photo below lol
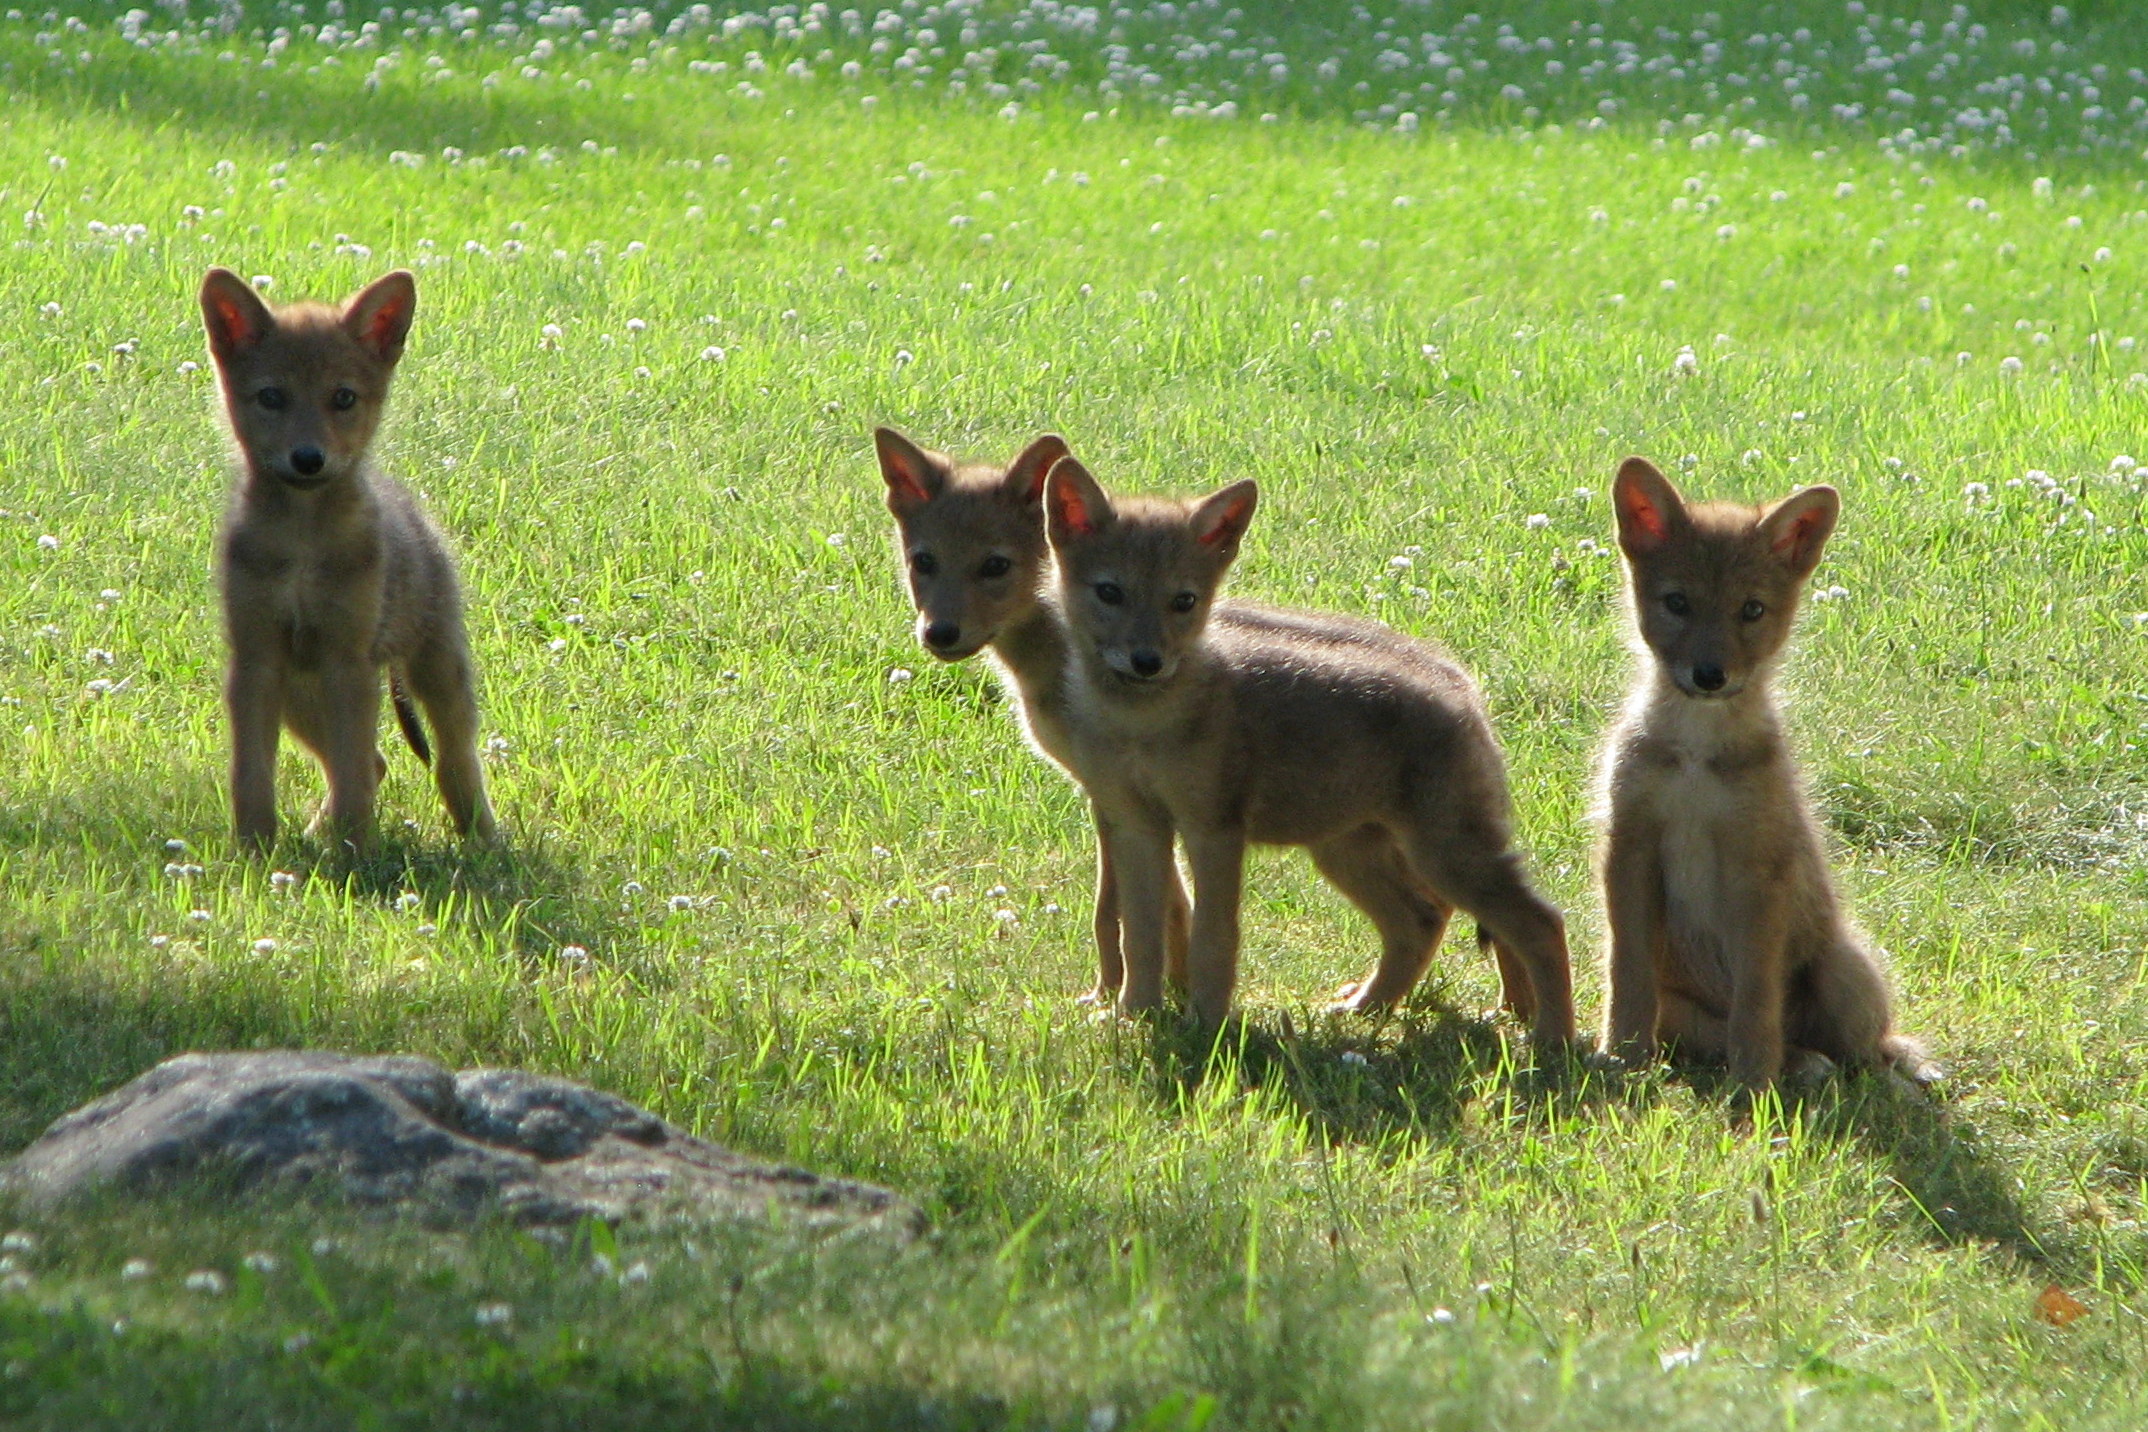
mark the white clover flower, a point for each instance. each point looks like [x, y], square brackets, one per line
[281, 880]
[1977, 205]
[408, 900]
[2010, 365]
[904, 357]
[712, 354]
[1054, 908]
[263, 282]
[426, 932]
[264, 947]
[262, 1263]
[2123, 464]
[637, 325]
[1669, 285]
[493, 1315]
[1976, 491]
[941, 894]
[205, 1280]
[2073, 221]
[901, 676]
[1351, 1059]
[1685, 362]
[49, 310]
[2041, 187]
[1537, 521]
[1845, 189]
[136, 1269]
[49, 543]
[158, 942]
[682, 902]
[574, 956]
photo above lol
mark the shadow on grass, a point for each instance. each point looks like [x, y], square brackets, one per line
[1352, 1079]
[1959, 1194]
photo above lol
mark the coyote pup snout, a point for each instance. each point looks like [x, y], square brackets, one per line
[1726, 936]
[331, 571]
[1369, 749]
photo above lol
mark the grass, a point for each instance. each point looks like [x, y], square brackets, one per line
[687, 618]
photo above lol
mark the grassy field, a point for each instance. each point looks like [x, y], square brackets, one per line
[772, 872]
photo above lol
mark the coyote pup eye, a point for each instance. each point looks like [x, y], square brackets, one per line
[1109, 594]
[344, 399]
[1751, 611]
[273, 399]
[995, 566]
[924, 563]
[1183, 602]
[1677, 605]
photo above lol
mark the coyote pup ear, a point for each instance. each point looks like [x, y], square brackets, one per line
[233, 313]
[1024, 482]
[1649, 509]
[1074, 506]
[1220, 522]
[914, 476]
[1797, 527]
[379, 317]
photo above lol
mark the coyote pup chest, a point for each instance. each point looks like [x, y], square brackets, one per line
[314, 589]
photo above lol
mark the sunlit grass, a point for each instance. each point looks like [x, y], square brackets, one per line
[687, 616]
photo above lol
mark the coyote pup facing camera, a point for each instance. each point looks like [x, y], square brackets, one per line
[331, 571]
[971, 539]
[1727, 940]
[1371, 751]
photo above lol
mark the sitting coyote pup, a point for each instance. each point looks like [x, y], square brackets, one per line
[1726, 938]
[331, 571]
[1373, 754]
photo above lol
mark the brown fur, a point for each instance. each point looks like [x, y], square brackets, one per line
[1727, 940]
[330, 571]
[971, 540]
[1371, 750]
[976, 561]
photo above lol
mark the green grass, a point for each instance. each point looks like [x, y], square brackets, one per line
[689, 676]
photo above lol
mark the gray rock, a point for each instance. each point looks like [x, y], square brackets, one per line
[399, 1132]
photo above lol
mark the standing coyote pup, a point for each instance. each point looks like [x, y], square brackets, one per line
[971, 538]
[1726, 937]
[330, 571]
[1374, 754]
[972, 542]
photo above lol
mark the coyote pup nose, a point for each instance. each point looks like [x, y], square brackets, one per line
[1146, 663]
[308, 460]
[940, 636]
[1708, 678]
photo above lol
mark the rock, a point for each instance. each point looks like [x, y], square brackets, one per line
[400, 1132]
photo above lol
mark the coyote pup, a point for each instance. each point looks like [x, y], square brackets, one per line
[1371, 751]
[330, 571]
[971, 538]
[1726, 936]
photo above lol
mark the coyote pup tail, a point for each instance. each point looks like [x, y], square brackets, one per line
[1908, 1058]
[406, 716]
